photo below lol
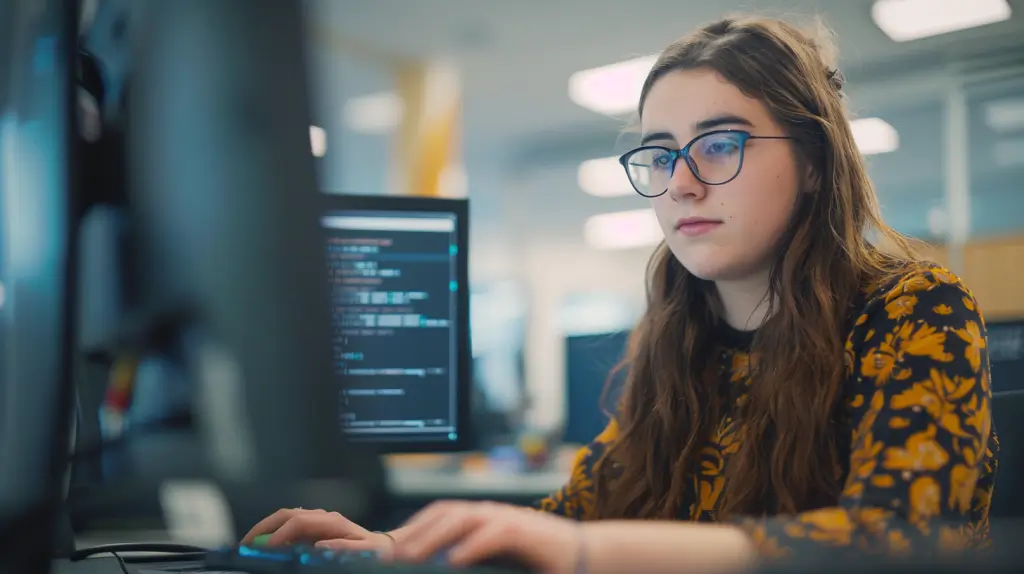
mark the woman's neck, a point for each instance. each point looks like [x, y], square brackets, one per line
[745, 301]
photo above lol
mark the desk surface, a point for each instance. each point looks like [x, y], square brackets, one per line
[97, 565]
[473, 474]
[474, 483]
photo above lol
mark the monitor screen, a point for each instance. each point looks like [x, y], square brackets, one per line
[397, 271]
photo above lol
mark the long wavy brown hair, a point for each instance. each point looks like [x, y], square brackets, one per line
[790, 456]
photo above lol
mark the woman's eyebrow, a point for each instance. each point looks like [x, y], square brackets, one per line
[719, 121]
[702, 126]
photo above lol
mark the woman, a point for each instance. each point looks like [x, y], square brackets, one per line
[791, 386]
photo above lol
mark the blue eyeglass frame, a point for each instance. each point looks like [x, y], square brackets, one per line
[684, 152]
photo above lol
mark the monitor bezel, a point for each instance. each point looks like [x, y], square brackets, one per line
[334, 202]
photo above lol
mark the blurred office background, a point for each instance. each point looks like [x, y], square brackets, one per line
[520, 105]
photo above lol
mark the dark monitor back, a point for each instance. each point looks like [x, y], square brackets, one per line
[589, 362]
[223, 197]
[1008, 418]
[398, 274]
[225, 269]
[1006, 353]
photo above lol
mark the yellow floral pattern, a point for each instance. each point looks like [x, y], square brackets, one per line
[923, 448]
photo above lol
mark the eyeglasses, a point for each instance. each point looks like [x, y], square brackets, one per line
[715, 158]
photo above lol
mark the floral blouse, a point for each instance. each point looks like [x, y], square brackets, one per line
[922, 443]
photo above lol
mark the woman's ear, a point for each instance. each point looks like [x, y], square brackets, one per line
[812, 180]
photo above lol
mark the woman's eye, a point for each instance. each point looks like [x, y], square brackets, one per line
[720, 147]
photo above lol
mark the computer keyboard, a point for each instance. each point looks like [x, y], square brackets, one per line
[310, 560]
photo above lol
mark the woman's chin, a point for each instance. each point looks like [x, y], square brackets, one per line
[715, 267]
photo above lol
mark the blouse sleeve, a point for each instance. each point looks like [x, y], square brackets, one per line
[576, 499]
[923, 451]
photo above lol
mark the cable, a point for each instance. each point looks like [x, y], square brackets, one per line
[164, 547]
[164, 558]
[178, 552]
[123, 564]
[120, 562]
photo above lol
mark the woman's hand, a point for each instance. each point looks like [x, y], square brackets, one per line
[472, 532]
[330, 529]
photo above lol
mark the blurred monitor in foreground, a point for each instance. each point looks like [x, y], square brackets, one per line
[224, 303]
[37, 212]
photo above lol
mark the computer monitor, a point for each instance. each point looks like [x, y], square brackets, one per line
[224, 269]
[397, 269]
[37, 211]
[593, 384]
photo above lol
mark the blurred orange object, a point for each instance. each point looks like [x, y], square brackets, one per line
[536, 449]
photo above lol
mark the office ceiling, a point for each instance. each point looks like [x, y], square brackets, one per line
[515, 58]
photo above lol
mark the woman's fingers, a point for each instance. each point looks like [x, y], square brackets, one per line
[444, 529]
[313, 526]
[423, 521]
[271, 523]
[351, 544]
[490, 539]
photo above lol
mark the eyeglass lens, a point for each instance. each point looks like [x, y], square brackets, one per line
[715, 158]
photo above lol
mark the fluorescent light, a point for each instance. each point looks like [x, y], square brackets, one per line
[1005, 115]
[374, 114]
[905, 20]
[318, 140]
[622, 230]
[603, 177]
[874, 135]
[613, 89]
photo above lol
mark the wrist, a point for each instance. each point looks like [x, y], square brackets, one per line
[666, 546]
[583, 548]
